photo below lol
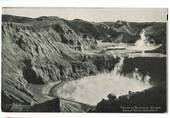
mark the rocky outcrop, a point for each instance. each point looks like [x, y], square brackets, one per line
[147, 101]
[154, 67]
[157, 33]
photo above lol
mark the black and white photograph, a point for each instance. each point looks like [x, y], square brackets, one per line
[94, 60]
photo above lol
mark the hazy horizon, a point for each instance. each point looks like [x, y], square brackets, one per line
[93, 14]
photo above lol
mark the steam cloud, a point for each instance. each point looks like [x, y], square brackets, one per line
[92, 89]
[145, 43]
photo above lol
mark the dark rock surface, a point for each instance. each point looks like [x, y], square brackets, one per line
[155, 67]
[47, 106]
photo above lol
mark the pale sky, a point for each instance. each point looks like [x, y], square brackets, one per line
[93, 14]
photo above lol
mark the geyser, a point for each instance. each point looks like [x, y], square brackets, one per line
[92, 89]
[144, 43]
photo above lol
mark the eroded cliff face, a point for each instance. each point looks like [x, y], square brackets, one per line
[41, 51]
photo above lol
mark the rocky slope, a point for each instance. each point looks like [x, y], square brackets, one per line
[40, 51]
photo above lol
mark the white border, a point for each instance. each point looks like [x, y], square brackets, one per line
[85, 3]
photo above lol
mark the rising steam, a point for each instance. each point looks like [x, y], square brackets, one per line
[145, 43]
[92, 89]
